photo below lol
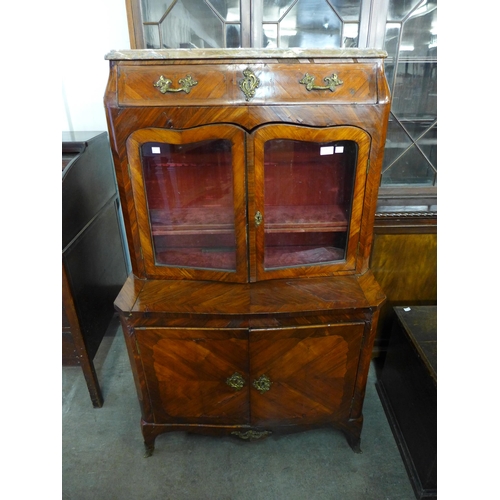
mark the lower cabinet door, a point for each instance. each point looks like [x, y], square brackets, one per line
[303, 375]
[195, 376]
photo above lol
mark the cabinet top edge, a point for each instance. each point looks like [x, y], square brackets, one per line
[173, 54]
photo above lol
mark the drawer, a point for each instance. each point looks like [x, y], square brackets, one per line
[269, 84]
[287, 83]
[209, 85]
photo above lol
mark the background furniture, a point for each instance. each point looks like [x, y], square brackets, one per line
[249, 184]
[408, 391]
[93, 259]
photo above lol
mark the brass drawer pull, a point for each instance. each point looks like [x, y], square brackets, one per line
[236, 381]
[332, 82]
[249, 84]
[262, 384]
[163, 84]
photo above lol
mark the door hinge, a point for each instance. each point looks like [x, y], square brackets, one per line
[368, 165]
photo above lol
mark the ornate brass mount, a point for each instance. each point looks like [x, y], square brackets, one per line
[332, 82]
[258, 218]
[262, 384]
[249, 84]
[236, 381]
[251, 434]
[163, 84]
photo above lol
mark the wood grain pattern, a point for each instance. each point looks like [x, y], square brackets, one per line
[311, 370]
[362, 101]
[308, 328]
[187, 372]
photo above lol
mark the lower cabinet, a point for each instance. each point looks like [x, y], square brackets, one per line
[268, 373]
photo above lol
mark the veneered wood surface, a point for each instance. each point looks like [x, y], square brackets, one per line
[218, 84]
[273, 297]
[362, 101]
[237, 138]
[312, 373]
[187, 370]
[256, 203]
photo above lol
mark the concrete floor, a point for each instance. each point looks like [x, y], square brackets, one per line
[103, 453]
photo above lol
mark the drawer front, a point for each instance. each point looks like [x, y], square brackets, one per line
[247, 84]
[306, 84]
[191, 85]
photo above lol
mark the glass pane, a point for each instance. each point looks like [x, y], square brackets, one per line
[312, 23]
[309, 25]
[229, 10]
[153, 10]
[428, 144]
[273, 10]
[391, 43]
[233, 39]
[348, 9]
[152, 36]
[190, 203]
[411, 168]
[270, 36]
[415, 91]
[191, 24]
[308, 190]
[420, 32]
[399, 9]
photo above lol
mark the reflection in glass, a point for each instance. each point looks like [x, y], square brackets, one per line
[411, 68]
[190, 203]
[306, 23]
[308, 189]
[191, 23]
[410, 153]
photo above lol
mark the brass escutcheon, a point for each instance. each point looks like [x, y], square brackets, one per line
[258, 218]
[332, 82]
[236, 381]
[249, 84]
[251, 434]
[163, 84]
[262, 384]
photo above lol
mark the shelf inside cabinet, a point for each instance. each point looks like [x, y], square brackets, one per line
[210, 220]
[305, 219]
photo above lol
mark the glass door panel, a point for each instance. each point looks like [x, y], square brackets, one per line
[308, 200]
[190, 192]
[308, 191]
[190, 203]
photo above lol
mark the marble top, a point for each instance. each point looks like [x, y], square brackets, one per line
[159, 54]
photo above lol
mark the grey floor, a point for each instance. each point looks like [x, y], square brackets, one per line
[103, 454]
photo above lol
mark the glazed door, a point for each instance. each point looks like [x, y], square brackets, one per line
[189, 191]
[307, 202]
[195, 376]
[303, 375]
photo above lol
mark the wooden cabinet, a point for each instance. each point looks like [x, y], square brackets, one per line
[94, 267]
[408, 390]
[249, 182]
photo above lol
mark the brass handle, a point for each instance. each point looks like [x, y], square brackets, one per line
[262, 384]
[332, 82]
[249, 84]
[163, 84]
[258, 218]
[236, 381]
